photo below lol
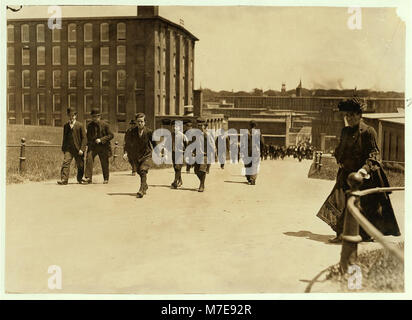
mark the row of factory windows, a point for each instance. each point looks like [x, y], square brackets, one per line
[71, 32]
[88, 79]
[72, 55]
[72, 102]
[72, 79]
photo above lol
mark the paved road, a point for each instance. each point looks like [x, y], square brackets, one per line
[233, 238]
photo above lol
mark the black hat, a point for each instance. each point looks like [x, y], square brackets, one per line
[140, 115]
[252, 123]
[71, 110]
[351, 105]
[132, 121]
[187, 121]
[166, 122]
[95, 111]
[201, 121]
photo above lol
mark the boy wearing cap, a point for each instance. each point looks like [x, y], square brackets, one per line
[208, 141]
[251, 168]
[73, 146]
[179, 141]
[140, 152]
[127, 144]
[98, 143]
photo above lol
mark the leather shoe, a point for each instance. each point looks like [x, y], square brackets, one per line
[62, 182]
[105, 181]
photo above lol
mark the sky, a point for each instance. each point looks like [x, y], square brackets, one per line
[247, 47]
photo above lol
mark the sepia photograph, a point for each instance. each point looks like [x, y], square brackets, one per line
[205, 150]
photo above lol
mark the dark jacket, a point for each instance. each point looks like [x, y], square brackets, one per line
[100, 130]
[79, 136]
[140, 147]
[127, 140]
[358, 149]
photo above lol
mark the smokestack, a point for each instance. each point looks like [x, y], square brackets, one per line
[147, 11]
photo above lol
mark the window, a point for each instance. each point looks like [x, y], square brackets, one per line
[72, 100]
[158, 80]
[57, 104]
[88, 79]
[25, 34]
[72, 79]
[10, 56]
[57, 122]
[104, 102]
[88, 32]
[121, 103]
[104, 32]
[71, 32]
[40, 32]
[104, 56]
[164, 58]
[27, 121]
[57, 78]
[41, 56]
[56, 35]
[26, 102]
[11, 79]
[121, 54]
[25, 79]
[72, 56]
[121, 79]
[121, 31]
[42, 122]
[10, 33]
[157, 58]
[12, 120]
[56, 55]
[104, 79]
[164, 81]
[88, 103]
[41, 102]
[88, 56]
[41, 79]
[11, 103]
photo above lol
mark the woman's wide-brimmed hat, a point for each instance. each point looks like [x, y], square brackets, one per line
[351, 105]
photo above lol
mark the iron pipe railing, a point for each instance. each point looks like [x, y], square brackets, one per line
[354, 218]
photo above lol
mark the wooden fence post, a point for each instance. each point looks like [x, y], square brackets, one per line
[22, 163]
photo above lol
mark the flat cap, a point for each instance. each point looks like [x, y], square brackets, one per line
[95, 111]
[140, 115]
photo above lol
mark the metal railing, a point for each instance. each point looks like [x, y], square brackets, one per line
[354, 218]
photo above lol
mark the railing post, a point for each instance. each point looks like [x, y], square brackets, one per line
[320, 160]
[350, 235]
[115, 152]
[22, 163]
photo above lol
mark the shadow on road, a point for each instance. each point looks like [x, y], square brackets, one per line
[311, 236]
[241, 182]
[168, 187]
[122, 194]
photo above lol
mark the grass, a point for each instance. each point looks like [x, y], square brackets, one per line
[381, 272]
[329, 170]
[44, 162]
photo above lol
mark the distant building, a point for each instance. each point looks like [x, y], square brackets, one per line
[123, 65]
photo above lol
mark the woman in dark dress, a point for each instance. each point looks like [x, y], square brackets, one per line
[358, 152]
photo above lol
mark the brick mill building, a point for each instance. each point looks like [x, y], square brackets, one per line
[123, 65]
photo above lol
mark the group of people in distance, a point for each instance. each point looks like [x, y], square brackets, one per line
[138, 147]
[300, 151]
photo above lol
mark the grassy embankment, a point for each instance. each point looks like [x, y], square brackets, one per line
[381, 272]
[43, 162]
